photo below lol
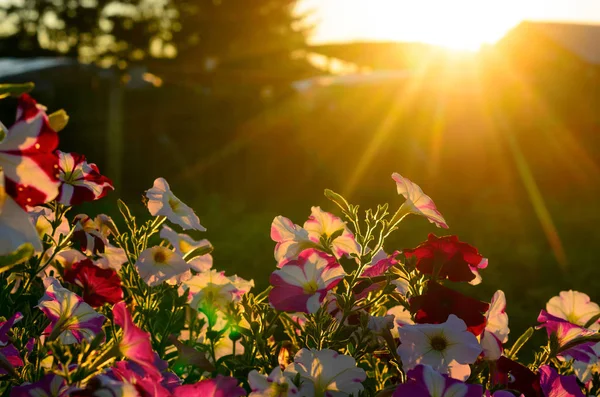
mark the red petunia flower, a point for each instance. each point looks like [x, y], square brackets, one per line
[448, 258]
[439, 302]
[27, 155]
[517, 377]
[100, 286]
[79, 180]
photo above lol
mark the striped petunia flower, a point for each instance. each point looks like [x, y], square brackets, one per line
[302, 284]
[27, 155]
[79, 180]
[71, 319]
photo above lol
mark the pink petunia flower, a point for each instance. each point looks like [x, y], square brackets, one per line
[566, 332]
[417, 202]
[424, 381]
[448, 347]
[276, 384]
[50, 385]
[323, 225]
[71, 319]
[326, 372]
[135, 344]
[158, 264]
[575, 307]
[555, 385]
[79, 180]
[27, 155]
[321, 228]
[221, 386]
[99, 286]
[161, 201]
[301, 285]
[496, 329]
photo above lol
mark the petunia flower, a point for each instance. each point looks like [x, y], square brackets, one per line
[439, 302]
[79, 180]
[16, 227]
[291, 239]
[71, 319]
[575, 307]
[112, 258]
[10, 354]
[158, 264]
[585, 371]
[496, 329]
[88, 235]
[184, 245]
[211, 289]
[514, 376]
[447, 258]
[379, 265]
[323, 226]
[161, 201]
[448, 348]
[424, 381]
[99, 286]
[145, 384]
[401, 316]
[50, 385]
[326, 372]
[105, 385]
[301, 285]
[41, 218]
[417, 202]
[274, 385]
[555, 385]
[565, 332]
[221, 386]
[27, 155]
[135, 344]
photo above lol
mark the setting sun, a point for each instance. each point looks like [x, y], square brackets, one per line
[460, 24]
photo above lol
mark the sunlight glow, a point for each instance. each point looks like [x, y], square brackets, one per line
[458, 24]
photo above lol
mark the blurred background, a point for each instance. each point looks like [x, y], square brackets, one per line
[250, 108]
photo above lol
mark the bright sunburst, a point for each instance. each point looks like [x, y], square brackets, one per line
[459, 24]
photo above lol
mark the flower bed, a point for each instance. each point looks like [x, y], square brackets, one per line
[103, 307]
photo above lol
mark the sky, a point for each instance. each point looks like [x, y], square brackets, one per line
[464, 24]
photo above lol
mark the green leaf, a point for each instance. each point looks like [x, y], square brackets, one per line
[512, 353]
[15, 89]
[592, 321]
[23, 253]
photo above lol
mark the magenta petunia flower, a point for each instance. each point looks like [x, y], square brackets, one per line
[135, 345]
[221, 386]
[79, 180]
[71, 319]
[27, 155]
[50, 385]
[566, 332]
[301, 284]
[424, 381]
[555, 385]
[418, 202]
[9, 351]
[99, 286]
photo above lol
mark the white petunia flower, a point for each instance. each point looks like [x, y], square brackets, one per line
[326, 372]
[448, 347]
[496, 330]
[158, 264]
[161, 201]
[274, 385]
